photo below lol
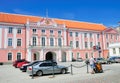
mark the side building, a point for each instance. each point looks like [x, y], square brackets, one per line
[38, 38]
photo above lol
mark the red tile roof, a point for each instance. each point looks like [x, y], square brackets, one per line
[22, 19]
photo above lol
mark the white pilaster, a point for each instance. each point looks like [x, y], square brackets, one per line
[14, 38]
[65, 40]
[70, 56]
[96, 39]
[74, 40]
[83, 41]
[5, 38]
[29, 54]
[41, 55]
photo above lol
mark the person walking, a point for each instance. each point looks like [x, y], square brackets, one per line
[92, 64]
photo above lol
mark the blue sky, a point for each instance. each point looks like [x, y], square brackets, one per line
[105, 12]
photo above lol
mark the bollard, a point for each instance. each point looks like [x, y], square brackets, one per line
[32, 72]
[87, 69]
[53, 71]
[71, 70]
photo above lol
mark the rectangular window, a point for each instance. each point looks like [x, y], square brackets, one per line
[34, 41]
[9, 56]
[51, 31]
[43, 41]
[76, 34]
[106, 36]
[18, 56]
[59, 32]
[70, 34]
[43, 31]
[99, 44]
[10, 30]
[90, 35]
[9, 41]
[98, 36]
[51, 42]
[114, 51]
[77, 44]
[85, 35]
[19, 30]
[18, 42]
[91, 44]
[86, 45]
[34, 30]
[71, 43]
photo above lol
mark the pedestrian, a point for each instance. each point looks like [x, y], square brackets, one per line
[92, 64]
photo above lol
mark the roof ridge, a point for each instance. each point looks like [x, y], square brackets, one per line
[20, 14]
[78, 21]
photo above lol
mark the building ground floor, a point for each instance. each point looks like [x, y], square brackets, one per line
[64, 54]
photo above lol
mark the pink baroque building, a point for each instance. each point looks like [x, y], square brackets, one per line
[37, 38]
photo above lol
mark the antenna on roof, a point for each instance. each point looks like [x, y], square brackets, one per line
[46, 13]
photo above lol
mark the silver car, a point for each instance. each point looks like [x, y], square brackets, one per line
[46, 68]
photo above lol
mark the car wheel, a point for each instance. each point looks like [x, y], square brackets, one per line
[39, 73]
[63, 71]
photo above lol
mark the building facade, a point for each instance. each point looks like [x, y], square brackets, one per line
[38, 38]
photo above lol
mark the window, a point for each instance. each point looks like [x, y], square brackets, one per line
[70, 34]
[114, 52]
[43, 41]
[51, 42]
[34, 41]
[43, 31]
[59, 32]
[98, 36]
[77, 44]
[86, 45]
[91, 44]
[107, 44]
[9, 56]
[119, 50]
[34, 30]
[111, 36]
[9, 41]
[76, 34]
[51, 31]
[71, 43]
[86, 55]
[99, 44]
[85, 35]
[18, 42]
[106, 36]
[90, 35]
[59, 42]
[18, 56]
[19, 30]
[10, 30]
[78, 55]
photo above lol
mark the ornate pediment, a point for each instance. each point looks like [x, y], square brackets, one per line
[111, 30]
[47, 21]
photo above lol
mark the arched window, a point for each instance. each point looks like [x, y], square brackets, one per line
[59, 42]
[9, 56]
[51, 42]
[18, 56]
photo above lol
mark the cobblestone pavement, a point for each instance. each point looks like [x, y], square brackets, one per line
[9, 74]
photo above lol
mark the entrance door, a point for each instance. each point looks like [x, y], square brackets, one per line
[64, 57]
[36, 56]
[50, 56]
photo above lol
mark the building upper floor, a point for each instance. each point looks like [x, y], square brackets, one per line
[22, 31]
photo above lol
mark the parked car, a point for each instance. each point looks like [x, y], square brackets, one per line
[117, 60]
[24, 67]
[101, 60]
[22, 63]
[113, 59]
[46, 68]
[79, 59]
[17, 61]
